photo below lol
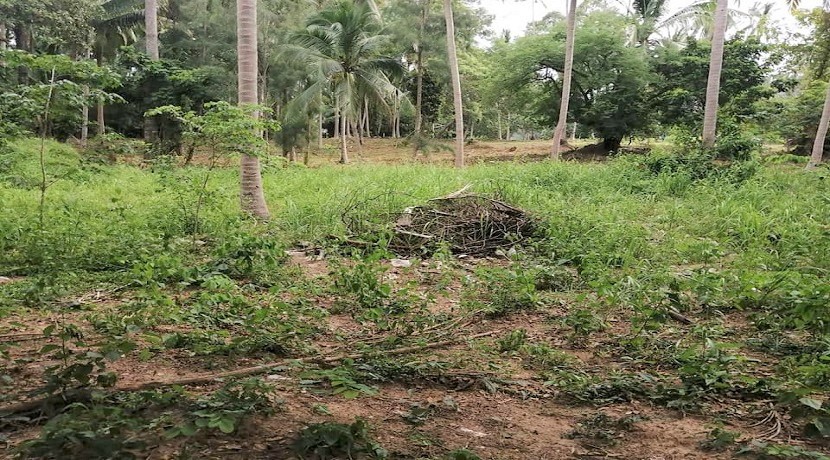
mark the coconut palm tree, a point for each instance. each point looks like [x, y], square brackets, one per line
[343, 45]
[821, 133]
[698, 19]
[710, 110]
[252, 196]
[648, 15]
[452, 57]
[115, 27]
[559, 132]
[151, 39]
[151, 28]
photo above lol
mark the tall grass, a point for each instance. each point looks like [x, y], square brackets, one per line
[612, 220]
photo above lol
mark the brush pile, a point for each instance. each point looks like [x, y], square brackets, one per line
[464, 223]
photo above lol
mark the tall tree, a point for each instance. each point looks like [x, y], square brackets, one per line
[252, 195]
[343, 45]
[152, 43]
[419, 69]
[710, 111]
[559, 132]
[452, 58]
[821, 133]
[114, 26]
[151, 28]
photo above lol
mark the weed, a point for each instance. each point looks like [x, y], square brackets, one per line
[602, 430]
[513, 341]
[325, 441]
[584, 321]
[225, 409]
[500, 291]
[719, 440]
[340, 380]
[462, 454]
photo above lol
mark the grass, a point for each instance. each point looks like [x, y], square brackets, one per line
[747, 260]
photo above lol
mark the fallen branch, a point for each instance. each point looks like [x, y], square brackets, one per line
[80, 395]
[678, 317]
[22, 337]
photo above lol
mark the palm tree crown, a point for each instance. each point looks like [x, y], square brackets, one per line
[344, 46]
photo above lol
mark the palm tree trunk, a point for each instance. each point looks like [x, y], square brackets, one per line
[337, 120]
[320, 130]
[821, 133]
[151, 28]
[419, 72]
[152, 44]
[85, 117]
[498, 117]
[84, 107]
[344, 149]
[367, 128]
[559, 132]
[452, 56]
[710, 111]
[252, 196]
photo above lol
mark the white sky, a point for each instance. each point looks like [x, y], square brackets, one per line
[514, 15]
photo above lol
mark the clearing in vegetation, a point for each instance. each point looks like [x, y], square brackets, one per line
[652, 312]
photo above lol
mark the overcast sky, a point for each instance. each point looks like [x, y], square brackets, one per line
[515, 15]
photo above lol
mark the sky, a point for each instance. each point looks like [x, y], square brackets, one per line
[515, 15]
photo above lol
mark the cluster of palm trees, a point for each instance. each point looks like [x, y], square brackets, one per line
[649, 11]
[338, 44]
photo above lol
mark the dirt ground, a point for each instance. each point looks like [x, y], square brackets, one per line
[519, 419]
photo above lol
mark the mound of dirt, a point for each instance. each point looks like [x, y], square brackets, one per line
[465, 223]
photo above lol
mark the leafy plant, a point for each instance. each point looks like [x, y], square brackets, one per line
[225, 409]
[340, 380]
[513, 341]
[325, 441]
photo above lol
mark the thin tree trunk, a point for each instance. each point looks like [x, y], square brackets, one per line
[344, 149]
[337, 122]
[710, 111]
[84, 109]
[419, 73]
[821, 133]
[252, 196]
[367, 128]
[498, 115]
[452, 56]
[320, 130]
[507, 133]
[559, 132]
[100, 129]
[3, 36]
[152, 44]
[357, 132]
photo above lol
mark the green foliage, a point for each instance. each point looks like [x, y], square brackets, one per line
[500, 291]
[96, 432]
[225, 409]
[462, 454]
[513, 341]
[222, 128]
[719, 439]
[603, 430]
[328, 441]
[340, 380]
[67, 84]
[678, 95]
[609, 77]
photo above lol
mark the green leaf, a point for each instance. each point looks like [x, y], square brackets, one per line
[810, 402]
[226, 425]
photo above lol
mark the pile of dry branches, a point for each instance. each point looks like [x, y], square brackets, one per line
[467, 223]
